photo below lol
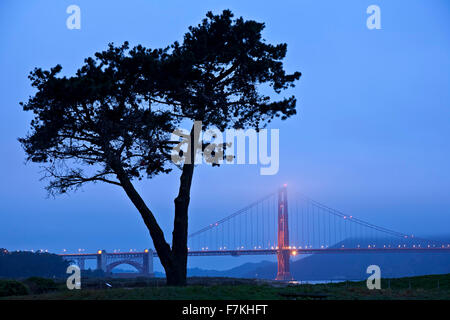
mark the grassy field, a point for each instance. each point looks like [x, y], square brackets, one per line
[434, 287]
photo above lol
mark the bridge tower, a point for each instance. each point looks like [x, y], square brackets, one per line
[283, 252]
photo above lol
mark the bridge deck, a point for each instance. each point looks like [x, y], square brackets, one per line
[272, 251]
[315, 251]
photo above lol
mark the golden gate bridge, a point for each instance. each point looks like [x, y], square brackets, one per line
[275, 226]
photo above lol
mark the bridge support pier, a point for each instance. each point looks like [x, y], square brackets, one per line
[283, 254]
[81, 263]
[101, 260]
[147, 262]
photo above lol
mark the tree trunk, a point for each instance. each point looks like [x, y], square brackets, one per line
[180, 224]
[161, 246]
[176, 274]
[173, 260]
[180, 229]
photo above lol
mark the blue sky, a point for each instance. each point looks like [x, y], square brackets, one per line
[371, 137]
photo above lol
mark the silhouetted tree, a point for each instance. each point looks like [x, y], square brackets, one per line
[112, 121]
